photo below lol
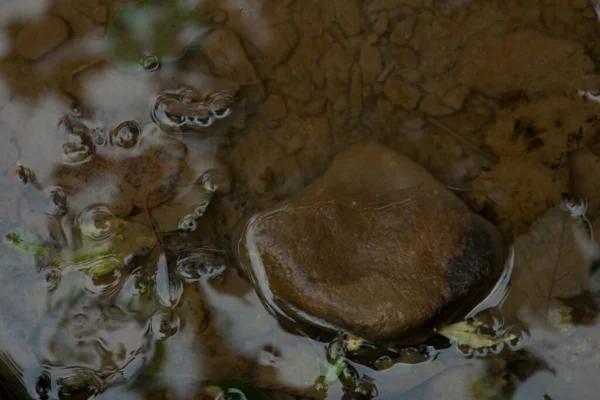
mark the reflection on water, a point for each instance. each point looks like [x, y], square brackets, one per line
[136, 139]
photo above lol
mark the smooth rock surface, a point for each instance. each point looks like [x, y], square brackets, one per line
[376, 247]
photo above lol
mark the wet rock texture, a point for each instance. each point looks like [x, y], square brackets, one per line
[376, 246]
[507, 58]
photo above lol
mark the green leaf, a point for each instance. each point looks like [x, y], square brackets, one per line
[466, 333]
[334, 371]
[25, 242]
[101, 258]
[162, 31]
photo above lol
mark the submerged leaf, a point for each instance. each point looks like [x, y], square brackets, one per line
[24, 174]
[25, 242]
[102, 257]
[334, 371]
[552, 264]
[466, 333]
[152, 31]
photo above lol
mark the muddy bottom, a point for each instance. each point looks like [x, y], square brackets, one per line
[137, 139]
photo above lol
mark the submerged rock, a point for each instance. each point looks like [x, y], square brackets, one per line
[506, 59]
[41, 36]
[376, 247]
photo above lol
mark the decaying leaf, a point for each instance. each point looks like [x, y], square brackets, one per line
[520, 190]
[25, 242]
[24, 174]
[552, 263]
[96, 257]
[147, 176]
[467, 334]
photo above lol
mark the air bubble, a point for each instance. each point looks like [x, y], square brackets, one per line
[188, 96]
[188, 223]
[59, 201]
[519, 342]
[165, 324]
[126, 135]
[201, 208]
[97, 223]
[222, 113]
[104, 275]
[75, 380]
[349, 376]
[169, 113]
[209, 181]
[220, 104]
[79, 147]
[52, 277]
[466, 350]
[384, 362]
[200, 117]
[76, 112]
[199, 265]
[367, 387]
[234, 394]
[482, 352]
[76, 153]
[99, 136]
[150, 63]
[70, 128]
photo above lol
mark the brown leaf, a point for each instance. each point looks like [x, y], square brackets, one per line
[552, 262]
[124, 178]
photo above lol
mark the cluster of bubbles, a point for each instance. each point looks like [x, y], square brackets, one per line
[355, 383]
[98, 226]
[97, 223]
[186, 109]
[58, 196]
[172, 112]
[126, 135]
[89, 334]
[198, 265]
[81, 142]
[208, 183]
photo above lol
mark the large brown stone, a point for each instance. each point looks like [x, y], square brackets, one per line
[376, 247]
